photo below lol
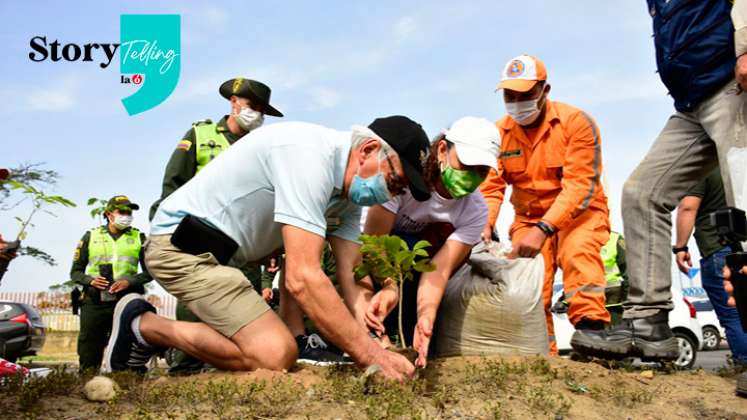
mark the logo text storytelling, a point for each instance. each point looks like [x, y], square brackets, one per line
[149, 51]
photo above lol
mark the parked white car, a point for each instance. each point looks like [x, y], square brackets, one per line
[713, 332]
[682, 321]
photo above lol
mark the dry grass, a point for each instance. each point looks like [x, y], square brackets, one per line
[501, 388]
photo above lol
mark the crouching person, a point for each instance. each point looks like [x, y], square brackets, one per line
[551, 157]
[281, 189]
[451, 220]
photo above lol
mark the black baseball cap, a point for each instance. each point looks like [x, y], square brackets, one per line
[121, 202]
[4, 173]
[411, 143]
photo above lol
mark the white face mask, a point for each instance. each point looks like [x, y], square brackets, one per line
[122, 222]
[524, 112]
[249, 119]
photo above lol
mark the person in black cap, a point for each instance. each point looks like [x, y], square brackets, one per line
[250, 102]
[106, 265]
[403, 134]
[289, 185]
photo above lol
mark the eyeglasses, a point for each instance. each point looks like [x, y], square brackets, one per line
[395, 183]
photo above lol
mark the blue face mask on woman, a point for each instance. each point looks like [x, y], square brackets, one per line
[369, 191]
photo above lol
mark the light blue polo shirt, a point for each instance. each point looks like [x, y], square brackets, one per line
[287, 173]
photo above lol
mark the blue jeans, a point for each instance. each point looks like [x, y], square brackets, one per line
[713, 282]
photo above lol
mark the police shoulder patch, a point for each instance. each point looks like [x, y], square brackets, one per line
[184, 145]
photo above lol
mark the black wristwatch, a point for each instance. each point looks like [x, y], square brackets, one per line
[676, 250]
[545, 228]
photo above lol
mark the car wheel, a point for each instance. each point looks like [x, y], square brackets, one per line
[688, 351]
[711, 338]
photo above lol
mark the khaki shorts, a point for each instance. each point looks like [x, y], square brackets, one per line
[219, 295]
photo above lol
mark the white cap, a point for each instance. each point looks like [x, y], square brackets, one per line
[477, 141]
[522, 73]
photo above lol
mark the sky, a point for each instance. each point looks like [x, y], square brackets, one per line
[331, 63]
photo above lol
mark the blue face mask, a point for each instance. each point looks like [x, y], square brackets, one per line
[369, 191]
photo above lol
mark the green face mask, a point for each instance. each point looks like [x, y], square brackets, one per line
[459, 183]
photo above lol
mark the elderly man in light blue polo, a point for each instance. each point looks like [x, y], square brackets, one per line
[290, 185]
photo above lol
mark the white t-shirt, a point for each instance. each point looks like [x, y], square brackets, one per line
[468, 215]
[287, 173]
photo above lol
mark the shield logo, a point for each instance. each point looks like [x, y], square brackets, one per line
[515, 69]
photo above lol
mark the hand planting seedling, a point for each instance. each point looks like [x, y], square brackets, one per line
[389, 258]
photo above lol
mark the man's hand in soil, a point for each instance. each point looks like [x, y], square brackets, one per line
[393, 365]
[740, 72]
[530, 244]
[267, 294]
[421, 340]
[119, 285]
[100, 283]
[380, 306]
[312, 290]
[684, 263]
[730, 287]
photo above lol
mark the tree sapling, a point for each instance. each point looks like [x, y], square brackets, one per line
[389, 257]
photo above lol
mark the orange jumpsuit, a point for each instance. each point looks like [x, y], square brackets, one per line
[555, 171]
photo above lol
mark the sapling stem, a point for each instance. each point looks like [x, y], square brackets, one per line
[37, 206]
[399, 317]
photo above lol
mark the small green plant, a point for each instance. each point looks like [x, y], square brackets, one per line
[98, 206]
[389, 257]
[38, 200]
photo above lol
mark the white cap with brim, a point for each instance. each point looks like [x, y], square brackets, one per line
[477, 141]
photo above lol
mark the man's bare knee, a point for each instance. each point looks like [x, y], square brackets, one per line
[266, 343]
[278, 355]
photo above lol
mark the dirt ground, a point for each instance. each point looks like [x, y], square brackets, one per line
[478, 387]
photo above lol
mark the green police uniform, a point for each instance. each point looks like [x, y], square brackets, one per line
[99, 246]
[192, 153]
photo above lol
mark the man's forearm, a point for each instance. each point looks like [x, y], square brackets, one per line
[685, 223]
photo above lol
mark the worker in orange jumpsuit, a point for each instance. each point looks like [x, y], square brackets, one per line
[551, 155]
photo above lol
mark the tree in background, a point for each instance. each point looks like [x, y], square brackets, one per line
[28, 183]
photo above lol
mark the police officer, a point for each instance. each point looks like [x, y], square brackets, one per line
[119, 245]
[250, 102]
